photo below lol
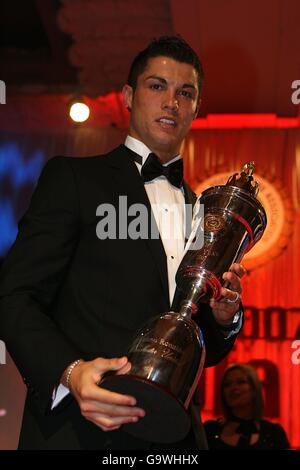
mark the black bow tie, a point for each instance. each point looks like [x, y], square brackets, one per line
[153, 168]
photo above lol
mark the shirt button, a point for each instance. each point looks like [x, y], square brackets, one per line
[172, 257]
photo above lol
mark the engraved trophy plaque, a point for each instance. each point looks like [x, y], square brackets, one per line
[168, 353]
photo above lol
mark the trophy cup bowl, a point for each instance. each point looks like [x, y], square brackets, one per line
[168, 353]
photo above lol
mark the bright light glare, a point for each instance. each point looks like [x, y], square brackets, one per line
[79, 112]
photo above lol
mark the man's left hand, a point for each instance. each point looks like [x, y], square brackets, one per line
[229, 303]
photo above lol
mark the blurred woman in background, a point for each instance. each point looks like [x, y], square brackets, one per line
[242, 426]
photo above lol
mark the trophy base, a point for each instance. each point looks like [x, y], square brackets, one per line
[166, 419]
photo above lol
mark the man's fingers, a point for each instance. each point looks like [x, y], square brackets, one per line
[238, 269]
[101, 365]
[107, 409]
[104, 365]
[233, 282]
[111, 410]
[97, 393]
[230, 296]
[109, 423]
[124, 369]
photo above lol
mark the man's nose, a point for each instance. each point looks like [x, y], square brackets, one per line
[171, 102]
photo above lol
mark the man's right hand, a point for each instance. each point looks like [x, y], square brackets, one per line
[108, 410]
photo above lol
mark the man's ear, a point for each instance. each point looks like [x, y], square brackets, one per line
[197, 108]
[127, 94]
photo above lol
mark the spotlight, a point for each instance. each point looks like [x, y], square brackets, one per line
[79, 111]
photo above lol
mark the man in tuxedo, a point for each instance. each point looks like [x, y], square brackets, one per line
[71, 298]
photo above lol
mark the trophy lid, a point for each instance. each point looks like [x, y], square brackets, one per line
[245, 179]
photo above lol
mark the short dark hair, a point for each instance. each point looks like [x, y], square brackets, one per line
[253, 380]
[174, 47]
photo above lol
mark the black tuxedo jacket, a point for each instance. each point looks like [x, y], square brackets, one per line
[65, 294]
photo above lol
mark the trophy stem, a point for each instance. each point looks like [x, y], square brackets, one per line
[189, 306]
[187, 309]
[194, 290]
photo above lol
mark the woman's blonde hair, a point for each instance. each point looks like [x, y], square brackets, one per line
[252, 377]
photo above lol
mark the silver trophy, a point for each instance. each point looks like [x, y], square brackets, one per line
[168, 353]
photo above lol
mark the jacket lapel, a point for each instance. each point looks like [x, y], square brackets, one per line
[190, 199]
[189, 195]
[128, 182]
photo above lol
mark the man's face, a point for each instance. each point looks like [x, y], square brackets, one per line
[163, 105]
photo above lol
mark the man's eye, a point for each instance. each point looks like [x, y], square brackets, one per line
[156, 86]
[186, 94]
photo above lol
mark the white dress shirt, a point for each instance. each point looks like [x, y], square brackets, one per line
[168, 206]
